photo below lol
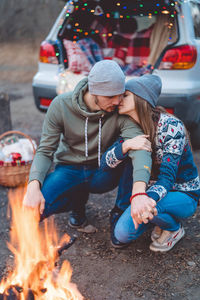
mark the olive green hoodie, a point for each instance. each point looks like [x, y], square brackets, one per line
[77, 136]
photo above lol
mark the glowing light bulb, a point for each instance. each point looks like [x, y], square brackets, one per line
[165, 12]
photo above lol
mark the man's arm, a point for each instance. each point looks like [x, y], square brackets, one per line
[141, 159]
[142, 207]
[52, 129]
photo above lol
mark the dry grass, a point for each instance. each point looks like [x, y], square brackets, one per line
[18, 61]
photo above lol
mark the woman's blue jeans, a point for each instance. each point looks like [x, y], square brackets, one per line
[171, 209]
[68, 187]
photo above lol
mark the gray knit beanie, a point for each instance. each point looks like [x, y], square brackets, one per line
[147, 87]
[106, 79]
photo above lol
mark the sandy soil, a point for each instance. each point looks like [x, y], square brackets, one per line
[101, 272]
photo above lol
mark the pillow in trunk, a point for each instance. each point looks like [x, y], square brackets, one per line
[77, 60]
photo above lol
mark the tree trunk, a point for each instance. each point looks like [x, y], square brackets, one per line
[5, 117]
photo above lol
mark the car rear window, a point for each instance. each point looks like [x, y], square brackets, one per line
[133, 33]
[195, 10]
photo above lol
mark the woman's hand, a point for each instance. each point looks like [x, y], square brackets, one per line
[139, 142]
[142, 210]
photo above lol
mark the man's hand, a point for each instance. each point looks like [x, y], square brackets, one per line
[139, 142]
[33, 197]
[142, 209]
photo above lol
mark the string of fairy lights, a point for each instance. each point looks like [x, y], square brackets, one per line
[135, 7]
[114, 9]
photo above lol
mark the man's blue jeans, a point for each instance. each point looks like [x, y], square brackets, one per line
[68, 187]
[171, 209]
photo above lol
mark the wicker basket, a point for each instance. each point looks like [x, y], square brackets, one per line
[15, 175]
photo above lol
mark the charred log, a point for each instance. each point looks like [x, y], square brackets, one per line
[18, 288]
[30, 295]
[65, 246]
[11, 293]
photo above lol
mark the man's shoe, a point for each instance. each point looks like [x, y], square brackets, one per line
[167, 240]
[156, 233]
[117, 244]
[77, 220]
[115, 214]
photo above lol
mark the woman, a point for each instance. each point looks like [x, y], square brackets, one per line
[175, 184]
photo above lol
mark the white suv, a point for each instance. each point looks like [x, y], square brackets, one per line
[160, 37]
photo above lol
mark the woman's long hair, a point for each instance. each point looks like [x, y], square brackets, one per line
[148, 120]
[148, 117]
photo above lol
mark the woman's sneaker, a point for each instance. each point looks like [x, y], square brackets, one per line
[167, 240]
[156, 233]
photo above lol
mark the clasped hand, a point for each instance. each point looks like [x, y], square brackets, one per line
[143, 209]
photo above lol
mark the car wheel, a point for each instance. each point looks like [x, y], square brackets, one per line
[189, 113]
[195, 136]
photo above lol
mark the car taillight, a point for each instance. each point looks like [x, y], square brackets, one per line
[47, 53]
[45, 102]
[182, 57]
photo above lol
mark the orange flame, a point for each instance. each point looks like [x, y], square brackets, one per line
[35, 255]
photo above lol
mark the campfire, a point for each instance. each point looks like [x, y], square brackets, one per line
[37, 273]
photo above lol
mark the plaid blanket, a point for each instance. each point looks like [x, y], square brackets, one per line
[131, 51]
[91, 49]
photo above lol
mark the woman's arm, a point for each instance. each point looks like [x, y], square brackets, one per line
[173, 141]
[119, 150]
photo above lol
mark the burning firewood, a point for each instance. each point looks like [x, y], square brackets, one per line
[66, 246]
[36, 275]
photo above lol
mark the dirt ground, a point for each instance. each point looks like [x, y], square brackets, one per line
[101, 272]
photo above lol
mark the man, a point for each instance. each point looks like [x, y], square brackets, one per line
[78, 127]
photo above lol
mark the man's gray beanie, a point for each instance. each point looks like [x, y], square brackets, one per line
[106, 79]
[147, 87]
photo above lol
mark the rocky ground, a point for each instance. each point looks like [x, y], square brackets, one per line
[101, 272]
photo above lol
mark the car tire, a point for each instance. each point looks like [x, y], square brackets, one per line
[195, 136]
[189, 113]
[194, 114]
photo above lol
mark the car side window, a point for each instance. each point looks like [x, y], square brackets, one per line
[195, 10]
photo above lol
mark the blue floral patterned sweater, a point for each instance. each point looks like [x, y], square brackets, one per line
[173, 163]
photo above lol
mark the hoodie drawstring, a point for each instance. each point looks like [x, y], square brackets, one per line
[86, 137]
[99, 140]
[99, 143]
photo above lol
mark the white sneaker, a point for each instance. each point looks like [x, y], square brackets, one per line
[167, 240]
[156, 233]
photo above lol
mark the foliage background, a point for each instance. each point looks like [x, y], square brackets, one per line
[27, 19]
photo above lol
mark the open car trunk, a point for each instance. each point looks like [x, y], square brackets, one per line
[133, 33]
